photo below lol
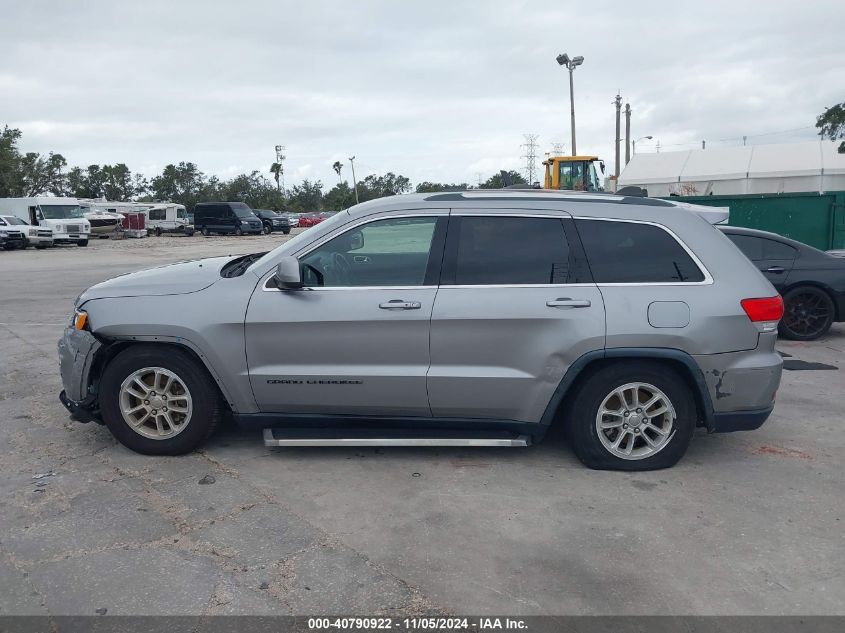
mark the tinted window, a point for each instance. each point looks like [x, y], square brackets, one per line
[241, 210]
[157, 214]
[777, 250]
[390, 252]
[508, 250]
[628, 252]
[751, 247]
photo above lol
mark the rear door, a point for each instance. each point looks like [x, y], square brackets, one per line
[773, 258]
[515, 308]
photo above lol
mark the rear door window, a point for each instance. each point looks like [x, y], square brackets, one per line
[494, 250]
[631, 252]
[751, 247]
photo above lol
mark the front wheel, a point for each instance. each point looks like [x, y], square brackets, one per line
[807, 314]
[267, 229]
[239, 231]
[286, 231]
[82, 243]
[633, 416]
[158, 231]
[159, 400]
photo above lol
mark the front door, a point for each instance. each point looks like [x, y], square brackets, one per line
[516, 307]
[355, 339]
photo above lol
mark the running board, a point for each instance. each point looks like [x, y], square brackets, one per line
[390, 437]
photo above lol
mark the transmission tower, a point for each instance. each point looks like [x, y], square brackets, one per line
[280, 158]
[530, 156]
[557, 149]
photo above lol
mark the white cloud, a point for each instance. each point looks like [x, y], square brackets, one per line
[435, 91]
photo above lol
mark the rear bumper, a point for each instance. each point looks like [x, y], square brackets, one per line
[729, 422]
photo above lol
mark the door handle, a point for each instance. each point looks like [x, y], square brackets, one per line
[400, 304]
[566, 302]
[361, 259]
[775, 269]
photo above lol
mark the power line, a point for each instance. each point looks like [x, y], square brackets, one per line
[530, 155]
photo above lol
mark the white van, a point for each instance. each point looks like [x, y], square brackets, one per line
[168, 217]
[63, 216]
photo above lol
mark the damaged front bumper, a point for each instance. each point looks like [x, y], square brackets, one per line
[77, 351]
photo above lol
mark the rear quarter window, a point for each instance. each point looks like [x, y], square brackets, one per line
[630, 252]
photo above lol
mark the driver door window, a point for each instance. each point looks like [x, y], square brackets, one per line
[389, 252]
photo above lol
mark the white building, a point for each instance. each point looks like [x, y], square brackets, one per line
[782, 168]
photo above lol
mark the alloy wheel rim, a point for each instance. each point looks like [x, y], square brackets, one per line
[635, 421]
[155, 403]
[807, 314]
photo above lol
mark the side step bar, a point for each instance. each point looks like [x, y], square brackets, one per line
[389, 437]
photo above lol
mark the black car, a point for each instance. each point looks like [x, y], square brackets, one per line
[226, 217]
[273, 221]
[811, 281]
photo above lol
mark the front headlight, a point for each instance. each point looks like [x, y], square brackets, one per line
[58, 228]
[80, 319]
[33, 232]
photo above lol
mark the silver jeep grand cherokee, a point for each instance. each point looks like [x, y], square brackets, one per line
[457, 319]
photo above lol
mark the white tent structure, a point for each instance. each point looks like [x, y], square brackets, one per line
[783, 168]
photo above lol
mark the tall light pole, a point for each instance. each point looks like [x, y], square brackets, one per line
[354, 182]
[571, 63]
[642, 138]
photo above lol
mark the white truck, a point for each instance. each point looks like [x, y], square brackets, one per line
[63, 216]
[24, 234]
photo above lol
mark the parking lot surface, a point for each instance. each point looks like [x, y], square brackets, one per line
[747, 523]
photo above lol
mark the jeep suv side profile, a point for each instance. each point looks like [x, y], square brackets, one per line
[458, 319]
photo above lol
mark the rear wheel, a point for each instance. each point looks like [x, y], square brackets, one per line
[158, 231]
[808, 314]
[239, 231]
[286, 231]
[205, 231]
[267, 229]
[159, 401]
[635, 415]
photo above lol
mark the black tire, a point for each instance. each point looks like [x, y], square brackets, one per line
[267, 229]
[238, 231]
[82, 243]
[808, 313]
[286, 231]
[584, 408]
[204, 230]
[207, 404]
[40, 247]
[158, 231]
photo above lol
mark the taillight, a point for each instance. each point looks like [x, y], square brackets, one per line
[764, 313]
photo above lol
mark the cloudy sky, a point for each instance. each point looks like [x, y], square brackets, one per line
[437, 90]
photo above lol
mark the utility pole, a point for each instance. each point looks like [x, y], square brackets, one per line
[571, 64]
[530, 156]
[354, 182]
[627, 133]
[280, 158]
[618, 102]
[703, 144]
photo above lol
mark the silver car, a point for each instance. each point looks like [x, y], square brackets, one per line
[477, 318]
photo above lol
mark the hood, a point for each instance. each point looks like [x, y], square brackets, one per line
[172, 279]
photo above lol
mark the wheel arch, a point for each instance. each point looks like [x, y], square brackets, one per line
[586, 365]
[112, 348]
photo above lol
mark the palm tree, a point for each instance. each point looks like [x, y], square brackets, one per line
[276, 170]
[337, 167]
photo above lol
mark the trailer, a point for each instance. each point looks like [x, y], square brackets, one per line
[64, 216]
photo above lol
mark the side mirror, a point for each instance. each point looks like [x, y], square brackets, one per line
[288, 275]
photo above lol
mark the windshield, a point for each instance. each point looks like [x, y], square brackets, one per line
[242, 211]
[294, 243]
[181, 212]
[14, 220]
[60, 211]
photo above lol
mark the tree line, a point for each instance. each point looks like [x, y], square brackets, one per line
[32, 174]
